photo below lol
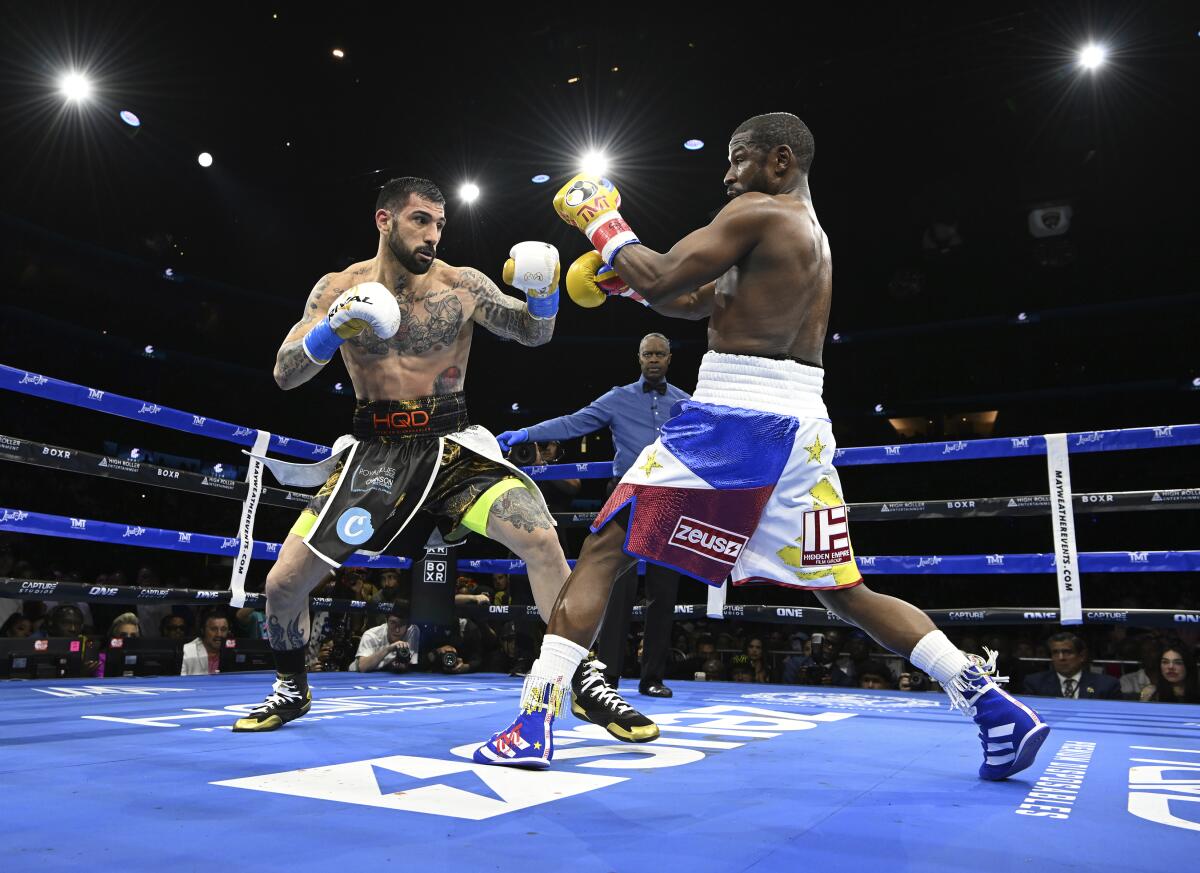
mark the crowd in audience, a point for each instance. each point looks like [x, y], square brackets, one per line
[1100, 662]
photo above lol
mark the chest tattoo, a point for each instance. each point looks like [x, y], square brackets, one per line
[428, 325]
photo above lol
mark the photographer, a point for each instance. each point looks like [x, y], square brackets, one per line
[390, 646]
[824, 670]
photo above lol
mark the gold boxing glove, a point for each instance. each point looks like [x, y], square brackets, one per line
[590, 282]
[590, 203]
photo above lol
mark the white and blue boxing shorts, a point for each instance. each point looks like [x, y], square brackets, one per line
[740, 484]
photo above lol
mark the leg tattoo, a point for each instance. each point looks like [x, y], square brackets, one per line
[519, 508]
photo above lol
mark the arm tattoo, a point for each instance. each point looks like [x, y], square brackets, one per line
[520, 509]
[292, 360]
[314, 299]
[503, 315]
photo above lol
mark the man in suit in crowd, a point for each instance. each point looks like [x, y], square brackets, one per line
[1070, 676]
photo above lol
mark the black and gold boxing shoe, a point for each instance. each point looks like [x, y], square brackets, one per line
[289, 699]
[594, 700]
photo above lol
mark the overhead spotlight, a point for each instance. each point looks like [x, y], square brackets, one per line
[540, 179]
[837, 338]
[1022, 316]
[694, 145]
[134, 454]
[75, 87]
[878, 408]
[338, 53]
[1196, 382]
[148, 351]
[204, 159]
[594, 163]
[130, 119]
[572, 80]
[1092, 56]
[169, 273]
[469, 192]
[516, 407]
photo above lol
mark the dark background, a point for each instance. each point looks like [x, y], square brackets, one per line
[934, 124]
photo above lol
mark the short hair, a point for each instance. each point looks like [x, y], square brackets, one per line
[875, 668]
[655, 335]
[394, 195]
[781, 128]
[124, 618]
[214, 613]
[399, 609]
[1077, 645]
[63, 610]
[167, 619]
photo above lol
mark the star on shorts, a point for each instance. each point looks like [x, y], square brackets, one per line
[651, 463]
[814, 451]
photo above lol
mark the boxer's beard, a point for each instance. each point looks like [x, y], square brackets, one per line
[408, 257]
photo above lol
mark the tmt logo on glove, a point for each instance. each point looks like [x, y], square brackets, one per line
[589, 198]
[590, 204]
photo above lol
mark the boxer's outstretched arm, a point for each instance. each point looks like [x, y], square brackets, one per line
[503, 315]
[700, 257]
[292, 366]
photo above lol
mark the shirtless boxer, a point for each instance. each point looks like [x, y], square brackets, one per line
[403, 322]
[741, 482]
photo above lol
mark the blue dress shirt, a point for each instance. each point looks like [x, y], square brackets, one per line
[635, 417]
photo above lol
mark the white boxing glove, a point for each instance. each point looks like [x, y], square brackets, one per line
[533, 268]
[369, 305]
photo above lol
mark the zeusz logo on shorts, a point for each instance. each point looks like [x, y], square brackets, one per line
[401, 420]
[707, 540]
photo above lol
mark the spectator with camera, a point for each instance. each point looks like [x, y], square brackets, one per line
[795, 664]
[393, 645]
[825, 670]
[635, 413]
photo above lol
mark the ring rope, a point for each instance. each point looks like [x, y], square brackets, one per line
[796, 615]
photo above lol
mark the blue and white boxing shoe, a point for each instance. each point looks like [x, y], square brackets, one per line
[528, 741]
[1011, 732]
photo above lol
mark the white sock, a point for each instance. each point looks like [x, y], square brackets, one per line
[938, 657]
[558, 659]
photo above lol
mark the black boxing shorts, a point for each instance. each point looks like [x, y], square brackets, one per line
[401, 473]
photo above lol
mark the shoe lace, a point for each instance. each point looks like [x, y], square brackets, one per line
[284, 691]
[595, 685]
[974, 679]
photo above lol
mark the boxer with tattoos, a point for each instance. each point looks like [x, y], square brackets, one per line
[403, 322]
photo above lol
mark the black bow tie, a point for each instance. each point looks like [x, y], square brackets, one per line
[660, 387]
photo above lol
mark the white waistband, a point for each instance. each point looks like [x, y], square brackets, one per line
[746, 382]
